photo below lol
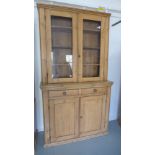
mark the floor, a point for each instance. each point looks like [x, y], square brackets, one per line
[103, 145]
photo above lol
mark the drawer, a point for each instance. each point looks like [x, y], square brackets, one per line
[93, 91]
[57, 93]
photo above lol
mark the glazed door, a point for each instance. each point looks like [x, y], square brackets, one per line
[92, 115]
[91, 37]
[63, 119]
[61, 39]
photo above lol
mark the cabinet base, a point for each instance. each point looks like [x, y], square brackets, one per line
[74, 140]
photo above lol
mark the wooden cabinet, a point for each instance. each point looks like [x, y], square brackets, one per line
[74, 61]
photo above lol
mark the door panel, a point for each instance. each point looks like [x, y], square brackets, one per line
[63, 118]
[91, 115]
[91, 37]
[61, 36]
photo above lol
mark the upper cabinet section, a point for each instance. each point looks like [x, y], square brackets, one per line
[74, 44]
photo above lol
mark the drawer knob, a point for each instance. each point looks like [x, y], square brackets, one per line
[64, 93]
[95, 90]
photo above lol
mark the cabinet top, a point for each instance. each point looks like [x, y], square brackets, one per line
[70, 7]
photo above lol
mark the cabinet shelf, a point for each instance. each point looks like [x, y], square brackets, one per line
[61, 64]
[89, 48]
[91, 30]
[91, 64]
[61, 27]
[85, 48]
[60, 47]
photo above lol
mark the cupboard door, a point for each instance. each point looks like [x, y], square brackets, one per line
[91, 39]
[92, 111]
[63, 119]
[61, 35]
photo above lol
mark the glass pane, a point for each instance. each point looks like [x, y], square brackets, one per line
[61, 71]
[90, 70]
[61, 21]
[91, 56]
[61, 53]
[91, 48]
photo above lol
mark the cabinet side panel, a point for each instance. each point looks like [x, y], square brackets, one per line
[43, 44]
[103, 113]
[106, 49]
[102, 45]
[107, 107]
[46, 117]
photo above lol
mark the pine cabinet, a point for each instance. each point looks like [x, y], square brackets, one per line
[74, 62]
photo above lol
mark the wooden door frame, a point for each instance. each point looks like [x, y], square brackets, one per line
[102, 19]
[102, 119]
[48, 14]
[52, 117]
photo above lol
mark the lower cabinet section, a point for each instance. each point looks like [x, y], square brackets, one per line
[74, 116]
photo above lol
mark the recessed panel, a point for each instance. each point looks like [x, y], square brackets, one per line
[64, 119]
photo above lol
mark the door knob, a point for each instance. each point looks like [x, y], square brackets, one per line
[64, 93]
[95, 90]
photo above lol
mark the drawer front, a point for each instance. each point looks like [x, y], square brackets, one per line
[94, 91]
[63, 93]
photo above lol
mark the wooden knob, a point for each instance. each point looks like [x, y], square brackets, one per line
[95, 90]
[64, 93]
[81, 116]
[79, 56]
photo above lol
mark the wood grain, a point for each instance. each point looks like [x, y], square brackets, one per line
[46, 117]
[74, 9]
[90, 115]
[74, 140]
[64, 93]
[106, 41]
[107, 107]
[76, 85]
[43, 44]
[63, 114]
